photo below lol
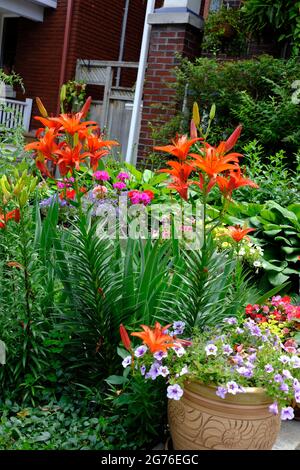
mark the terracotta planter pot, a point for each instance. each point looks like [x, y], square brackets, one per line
[200, 420]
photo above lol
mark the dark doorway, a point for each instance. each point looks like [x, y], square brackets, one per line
[9, 43]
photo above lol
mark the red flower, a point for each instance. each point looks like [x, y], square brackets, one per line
[249, 309]
[149, 193]
[12, 215]
[124, 337]
[237, 233]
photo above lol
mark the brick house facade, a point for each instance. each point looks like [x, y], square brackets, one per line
[95, 34]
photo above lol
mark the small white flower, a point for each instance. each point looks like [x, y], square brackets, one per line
[257, 264]
[179, 350]
[163, 371]
[127, 361]
[211, 350]
[184, 371]
[242, 252]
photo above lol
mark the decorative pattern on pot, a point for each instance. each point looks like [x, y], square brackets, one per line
[207, 422]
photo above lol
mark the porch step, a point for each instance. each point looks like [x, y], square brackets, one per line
[289, 436]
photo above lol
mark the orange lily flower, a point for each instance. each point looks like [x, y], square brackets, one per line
[15, 215]
[155, 338]
[237, 233]
[201, 183]
[235, 181]
[180, 173]
[70, 158]
[180, 148]
[71, 123]
[45, 145]
[98, 148]
[48, 123]
[214, 160]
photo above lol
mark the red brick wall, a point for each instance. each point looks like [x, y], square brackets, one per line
[95, 34]
[159, 98]
[39, 54]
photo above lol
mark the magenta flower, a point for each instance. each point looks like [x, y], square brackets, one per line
[145, 199]
[123, 176]
[119, 186]
[174, 392]
[60, 185]
[101, 175]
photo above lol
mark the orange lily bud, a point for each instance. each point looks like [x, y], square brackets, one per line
[41, 107]
[193, 130]
[232, 140]
[86, 107]
[124, 337]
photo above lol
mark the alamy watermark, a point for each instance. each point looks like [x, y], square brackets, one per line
[296, 94]
[183, 222]
[2, 353]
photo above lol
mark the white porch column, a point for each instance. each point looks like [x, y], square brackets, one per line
[192, 5]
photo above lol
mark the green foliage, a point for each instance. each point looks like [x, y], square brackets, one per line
[275, 179]
[278, 19]
[143, 406]
[256, 93]
[278, 230]
[73, 96]
[224, 31]
[64, 425]
[209, 287]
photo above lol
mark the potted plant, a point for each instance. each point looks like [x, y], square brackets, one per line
[228, 386]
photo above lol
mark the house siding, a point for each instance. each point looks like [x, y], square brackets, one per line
[95, 34]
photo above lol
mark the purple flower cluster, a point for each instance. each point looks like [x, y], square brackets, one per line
[50, 200]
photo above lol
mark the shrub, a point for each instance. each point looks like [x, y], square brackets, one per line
[256, 93]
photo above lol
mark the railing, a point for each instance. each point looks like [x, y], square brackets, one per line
[15, 113]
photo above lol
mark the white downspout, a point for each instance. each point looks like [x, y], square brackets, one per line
[122, 41]
[136, 112]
